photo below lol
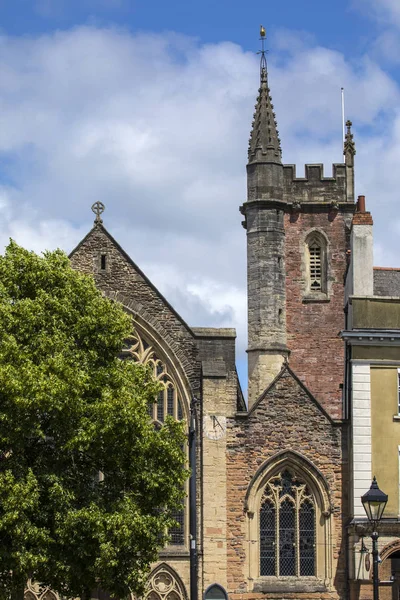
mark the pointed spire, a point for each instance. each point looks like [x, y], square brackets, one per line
[349, 145]
[264, 143]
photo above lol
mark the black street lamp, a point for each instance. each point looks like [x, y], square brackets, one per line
[374, 502]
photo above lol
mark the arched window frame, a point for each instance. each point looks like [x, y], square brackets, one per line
[316, 265]
[138, 348]
[282, 551]
[164, 583]
[318, 489]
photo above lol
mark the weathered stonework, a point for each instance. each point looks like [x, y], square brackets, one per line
[286, 418]
[314, 323]
[284, 318]
[296, 369]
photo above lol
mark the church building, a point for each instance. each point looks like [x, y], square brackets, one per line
[273, 497]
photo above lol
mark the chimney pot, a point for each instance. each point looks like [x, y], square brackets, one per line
[361, 204]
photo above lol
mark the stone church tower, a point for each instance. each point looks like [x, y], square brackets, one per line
[271, 476]
[297, 238]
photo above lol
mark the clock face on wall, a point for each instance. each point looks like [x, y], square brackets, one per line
[214, 426]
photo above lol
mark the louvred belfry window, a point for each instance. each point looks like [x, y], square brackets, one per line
[167, 402]
[315, 266]
[287, 528]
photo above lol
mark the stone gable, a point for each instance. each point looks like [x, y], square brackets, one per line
[285, 418]
[121, 279]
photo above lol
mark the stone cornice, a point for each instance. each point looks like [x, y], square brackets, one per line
[295, 207]
[372, 337]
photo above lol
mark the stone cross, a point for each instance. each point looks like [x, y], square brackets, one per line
[98, 208]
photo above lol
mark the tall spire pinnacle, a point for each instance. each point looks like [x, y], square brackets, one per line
[349, 150]
[264, 143]
[349, 145]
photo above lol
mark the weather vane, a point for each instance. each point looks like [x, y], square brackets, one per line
[263, 61]
[98, 208]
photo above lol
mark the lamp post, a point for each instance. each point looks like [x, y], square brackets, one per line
[374, 502]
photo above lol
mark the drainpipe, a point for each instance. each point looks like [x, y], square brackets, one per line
[192, 500]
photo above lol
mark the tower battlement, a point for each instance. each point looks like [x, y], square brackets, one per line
[314, 186]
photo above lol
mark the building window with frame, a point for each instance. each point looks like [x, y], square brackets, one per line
[167, 403]
[215, 592]
[316, 264]
[287, 528]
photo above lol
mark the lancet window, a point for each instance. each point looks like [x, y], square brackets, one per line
[287, 527]
[316, 263]
[315, 266]
[168, 402]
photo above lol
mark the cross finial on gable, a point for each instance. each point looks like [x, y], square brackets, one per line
[98, 208]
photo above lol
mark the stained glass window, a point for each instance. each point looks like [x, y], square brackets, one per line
[287, 527]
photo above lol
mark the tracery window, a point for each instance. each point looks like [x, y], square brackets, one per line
[163, 585]
[168, 402]
[36, 591]
[287, 527]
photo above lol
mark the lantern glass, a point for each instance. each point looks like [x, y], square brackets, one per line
[374, 502]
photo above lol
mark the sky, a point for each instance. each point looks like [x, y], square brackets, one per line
[147, 107]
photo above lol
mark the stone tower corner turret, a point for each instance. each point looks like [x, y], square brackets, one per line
[264, 220]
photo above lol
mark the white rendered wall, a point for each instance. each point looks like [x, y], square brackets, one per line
[361, 420]
[362, 260]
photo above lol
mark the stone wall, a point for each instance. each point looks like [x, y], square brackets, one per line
[285, 418]
[313, 327]
[315, 187]
[123, 280]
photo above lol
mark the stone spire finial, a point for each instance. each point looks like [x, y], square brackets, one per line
[264, 143]
[98, 208]
[349, 145]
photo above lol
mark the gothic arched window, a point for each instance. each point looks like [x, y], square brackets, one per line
[316, 263]
[287, 527]
[168, 402]
[164, 584]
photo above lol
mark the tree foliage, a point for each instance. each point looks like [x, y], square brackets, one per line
[69, 410]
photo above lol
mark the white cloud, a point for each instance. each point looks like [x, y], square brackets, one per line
[157, 128]
[385, 11]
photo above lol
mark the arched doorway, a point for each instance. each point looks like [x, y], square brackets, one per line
[389, 573]
[215, 592]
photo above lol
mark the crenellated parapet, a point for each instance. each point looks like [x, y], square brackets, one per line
[314, 186]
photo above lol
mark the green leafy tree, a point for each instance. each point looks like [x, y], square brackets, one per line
[87, 485]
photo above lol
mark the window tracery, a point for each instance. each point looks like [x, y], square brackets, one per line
[162, 585]
[167, 402]
[35, 591]
[287, 527]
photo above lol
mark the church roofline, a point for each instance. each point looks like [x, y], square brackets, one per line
[265, 393]
[217, 332]
[99, 225]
